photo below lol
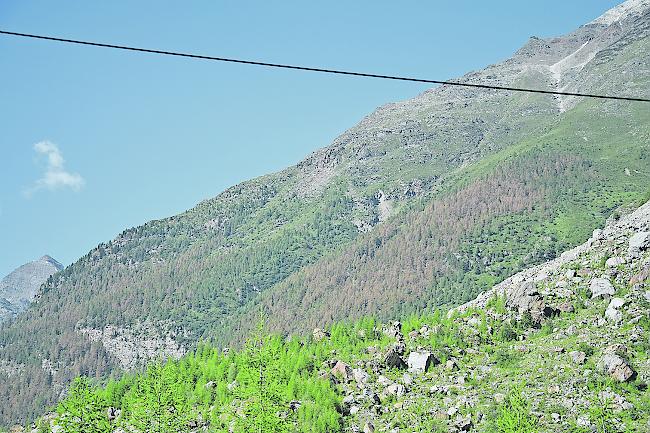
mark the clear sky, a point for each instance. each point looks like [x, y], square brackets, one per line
[93, 141]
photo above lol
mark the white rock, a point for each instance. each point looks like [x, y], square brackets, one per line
[578, 357]
[383, 380]
[613, 262]
[601, 287]
[612, 312]
[359, 375]
[420, 362]
[617, 367]
[638, 242]
[395, 389]
[616, 303]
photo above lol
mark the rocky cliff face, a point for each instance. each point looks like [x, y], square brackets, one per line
[19, 288]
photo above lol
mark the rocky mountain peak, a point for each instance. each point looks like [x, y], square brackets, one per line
[49, 259]
[18, 289]
[630, 8]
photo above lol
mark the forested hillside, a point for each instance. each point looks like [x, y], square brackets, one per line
[424, 203]
[521, 206]
[559, 347]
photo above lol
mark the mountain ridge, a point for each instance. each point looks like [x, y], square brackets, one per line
[481, 183]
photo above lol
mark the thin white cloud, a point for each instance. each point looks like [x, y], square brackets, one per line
[55, 176]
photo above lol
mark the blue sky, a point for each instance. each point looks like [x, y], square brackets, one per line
[93, 141]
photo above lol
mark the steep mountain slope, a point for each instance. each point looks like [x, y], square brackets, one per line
[425, 202]
[559, 347]
[18, 289]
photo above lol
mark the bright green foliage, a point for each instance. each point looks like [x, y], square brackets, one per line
[83, 411]
[157, 403]
[262, 386]
[252, 389]
[602, 416]
[514, 414]
[246, 391]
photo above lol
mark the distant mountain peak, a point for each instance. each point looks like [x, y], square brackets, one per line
[51, 260]
[624, 10]
[18, 289]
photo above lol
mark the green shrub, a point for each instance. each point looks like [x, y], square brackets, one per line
[586, 348]
[497, 304]
[602, 415]
[513, 415]
[507, 332]
[505, 358]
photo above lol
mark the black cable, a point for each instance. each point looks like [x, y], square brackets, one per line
[328, 71]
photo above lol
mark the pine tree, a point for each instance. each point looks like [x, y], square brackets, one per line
[158, 403]
[83, 411]
[262, 387]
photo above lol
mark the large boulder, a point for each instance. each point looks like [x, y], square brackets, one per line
[638, 242]
[523, 297]
[616, 366]
[342, 371]
[612, 313]
[421, 362]
[601, 287]
[393, 359]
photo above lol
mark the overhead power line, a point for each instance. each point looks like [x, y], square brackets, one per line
[323, 70]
